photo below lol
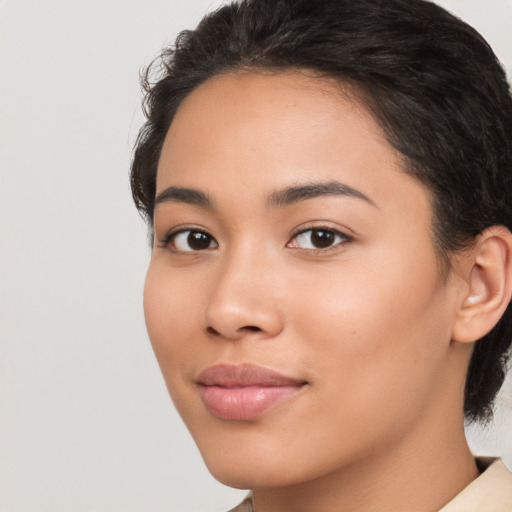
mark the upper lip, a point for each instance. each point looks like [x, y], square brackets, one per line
[244, 375]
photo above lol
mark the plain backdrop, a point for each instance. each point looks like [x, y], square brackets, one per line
[85, 420]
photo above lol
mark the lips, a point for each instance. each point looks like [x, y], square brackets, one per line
[244, 392]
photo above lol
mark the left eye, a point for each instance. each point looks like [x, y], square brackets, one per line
[319, 238]
[192, 240]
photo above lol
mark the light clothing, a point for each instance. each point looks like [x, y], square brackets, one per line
[490, 492]
[245, 506]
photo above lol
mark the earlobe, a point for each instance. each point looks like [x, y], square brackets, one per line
[489, 285]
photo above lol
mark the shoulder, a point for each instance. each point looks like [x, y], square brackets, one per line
[245, 506]
[491, 491]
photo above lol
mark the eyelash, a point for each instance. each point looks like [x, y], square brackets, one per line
[171, 236]
[326, 229]
[167, 240]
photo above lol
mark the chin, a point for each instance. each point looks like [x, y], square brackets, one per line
[242, 462]
[257, 463]
[250, 475]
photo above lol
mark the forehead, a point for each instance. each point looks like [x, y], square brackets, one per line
[262, 112]
[251, 133]
[271, 98]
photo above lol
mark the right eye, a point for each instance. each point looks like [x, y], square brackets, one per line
[190, 240]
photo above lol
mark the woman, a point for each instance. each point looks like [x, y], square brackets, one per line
[327, 183]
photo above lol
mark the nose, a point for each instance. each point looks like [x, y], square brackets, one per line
[244, 300]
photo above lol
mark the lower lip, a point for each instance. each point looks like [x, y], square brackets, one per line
[244, 403]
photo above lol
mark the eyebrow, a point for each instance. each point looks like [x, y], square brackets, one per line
[295, 194]
[184, 195]
[280, 198]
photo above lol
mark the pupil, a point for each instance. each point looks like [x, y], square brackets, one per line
[198, 241]
[322, 239]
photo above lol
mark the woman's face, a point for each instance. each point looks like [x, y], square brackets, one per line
[294, 299]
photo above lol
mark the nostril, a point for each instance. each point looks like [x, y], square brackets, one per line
[252, 328]
[246, 328]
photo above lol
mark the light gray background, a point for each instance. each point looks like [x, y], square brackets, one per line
[85, 421]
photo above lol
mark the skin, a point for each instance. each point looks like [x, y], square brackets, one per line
[371, 323]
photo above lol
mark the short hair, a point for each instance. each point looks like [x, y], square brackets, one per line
[432, 82]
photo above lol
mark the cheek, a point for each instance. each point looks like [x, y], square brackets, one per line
[376, 331]
[172, 306]
[171, 311]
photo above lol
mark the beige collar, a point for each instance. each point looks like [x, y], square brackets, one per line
[490, 492]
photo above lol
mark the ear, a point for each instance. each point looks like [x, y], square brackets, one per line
[488, 274]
